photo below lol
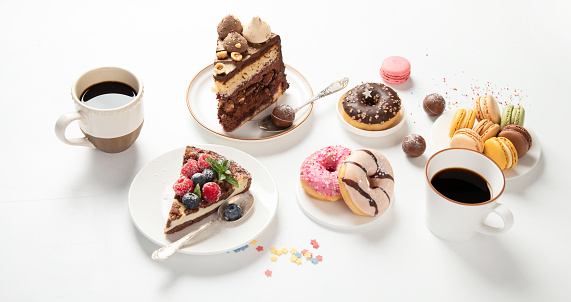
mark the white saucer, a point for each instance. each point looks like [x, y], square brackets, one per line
[334, 214]
[441, 140]
[367, 133]
[151, 195]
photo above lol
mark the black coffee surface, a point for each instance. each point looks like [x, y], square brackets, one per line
[108, 95]
[462, 185]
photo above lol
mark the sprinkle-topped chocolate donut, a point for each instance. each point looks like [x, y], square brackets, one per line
[371, 106]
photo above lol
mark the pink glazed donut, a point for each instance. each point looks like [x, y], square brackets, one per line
[320, 170]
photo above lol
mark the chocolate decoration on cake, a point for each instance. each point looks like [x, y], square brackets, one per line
[371, 103]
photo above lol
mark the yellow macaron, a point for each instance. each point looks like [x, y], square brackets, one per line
[502, 151]
[462, 119]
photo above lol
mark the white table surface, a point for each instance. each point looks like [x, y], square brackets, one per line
[65, 229]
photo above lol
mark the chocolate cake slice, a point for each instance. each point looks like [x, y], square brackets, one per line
[249, 72]
[181, 216]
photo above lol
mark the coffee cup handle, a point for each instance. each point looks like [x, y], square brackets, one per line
[505, 214]
[62, 124]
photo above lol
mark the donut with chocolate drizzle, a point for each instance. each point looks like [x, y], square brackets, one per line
[370, 106]
[366, 182]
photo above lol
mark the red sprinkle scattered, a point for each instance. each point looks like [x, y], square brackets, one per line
[259, 248]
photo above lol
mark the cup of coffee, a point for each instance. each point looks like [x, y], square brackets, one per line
[108, 107]
[463, 187]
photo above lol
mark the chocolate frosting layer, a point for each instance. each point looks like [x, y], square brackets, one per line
[253, 52]
[371, 103]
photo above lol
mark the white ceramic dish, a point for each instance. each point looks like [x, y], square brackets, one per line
[203, 106]
[151, 195]
[366, 133]
[440, 140]
[335, 214]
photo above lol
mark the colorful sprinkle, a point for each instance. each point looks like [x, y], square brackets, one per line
[268, 273]
[274, 258]
[314, 244]
[259, 248]
[254, 242]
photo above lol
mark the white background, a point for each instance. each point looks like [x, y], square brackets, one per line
[65, 229]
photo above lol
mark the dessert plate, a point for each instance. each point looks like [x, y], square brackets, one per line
[440, 140]
[367, 133]
[334, 214]
[151, 195]
[203, 106]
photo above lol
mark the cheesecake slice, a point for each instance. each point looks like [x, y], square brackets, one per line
[181, 216]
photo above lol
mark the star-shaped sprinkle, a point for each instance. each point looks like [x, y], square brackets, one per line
[303, 251]
[314, 243]
[278, 252]
[274, 258]
[254, 242]
[268, 273]
[284, 251]
[293, 251]
[319, 258]
[298, 261]
[308, 255]
[273, 250]
[259, 248]
[367, 93]
[292, 258]
[298, 255]
[314, 260]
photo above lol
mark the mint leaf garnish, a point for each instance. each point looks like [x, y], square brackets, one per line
[222, 169]
[197, 191]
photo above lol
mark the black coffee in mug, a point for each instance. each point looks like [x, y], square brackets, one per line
[462, 185]
[108, 95]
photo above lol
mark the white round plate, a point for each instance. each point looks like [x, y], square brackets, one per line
[440, 140]
[334, 214]
[151, 196]
[203, 106]
[366, 133]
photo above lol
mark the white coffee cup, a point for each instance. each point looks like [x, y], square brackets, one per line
[458, 221]
[111, 130]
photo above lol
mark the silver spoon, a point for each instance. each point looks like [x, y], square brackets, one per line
[268, 125]
[244, 200]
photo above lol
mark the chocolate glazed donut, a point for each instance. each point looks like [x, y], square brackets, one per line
[371, 106]
[366, 182]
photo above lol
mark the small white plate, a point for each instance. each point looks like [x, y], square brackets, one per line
[333, 214]
[151, 196]
[367, 133]
[203, 106]
[441, 140]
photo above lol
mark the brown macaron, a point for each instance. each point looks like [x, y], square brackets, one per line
[519, 136]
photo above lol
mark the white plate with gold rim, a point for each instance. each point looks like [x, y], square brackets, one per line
[203, 106]
[441, 140]
[151, 196]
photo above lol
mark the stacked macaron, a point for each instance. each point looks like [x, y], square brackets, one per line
[501, 137]
[395, 70]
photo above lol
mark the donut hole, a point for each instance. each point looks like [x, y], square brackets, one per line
[331, 165]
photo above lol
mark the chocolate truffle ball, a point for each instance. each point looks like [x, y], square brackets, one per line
[227, 25]
[235, 42]
[434, 104]
[413, 145]
[283, 116]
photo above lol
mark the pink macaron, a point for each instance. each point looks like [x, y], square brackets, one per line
[395, 70]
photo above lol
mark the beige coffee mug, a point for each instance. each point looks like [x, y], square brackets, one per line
[111, 130]
[460, 221]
